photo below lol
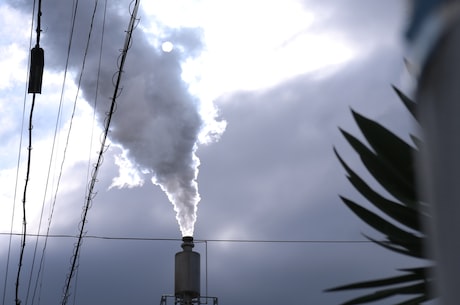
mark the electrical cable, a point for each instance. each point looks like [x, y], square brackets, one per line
[29, 157]
[76, 98]
[24, 218]
[74, 109]
[76, 282]
[215, 240]
[94, 122]
[96, 92]
[58, 119]
[100, 157]
[206, 267]
[7, 264]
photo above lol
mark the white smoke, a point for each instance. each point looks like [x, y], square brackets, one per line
[158, 122]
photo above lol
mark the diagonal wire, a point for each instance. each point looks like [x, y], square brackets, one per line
[24, 219]
[18, 162]
[73, 111]
[90, 196]
[41, 266]
[26, 184]
[93, 120]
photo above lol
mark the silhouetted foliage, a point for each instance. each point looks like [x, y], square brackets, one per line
[390, 160]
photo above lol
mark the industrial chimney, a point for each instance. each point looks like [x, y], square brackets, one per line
[187, 273]
[187, 277]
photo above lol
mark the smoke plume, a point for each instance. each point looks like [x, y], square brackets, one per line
[158, 122]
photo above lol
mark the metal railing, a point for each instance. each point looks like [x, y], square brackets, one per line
[180, 301]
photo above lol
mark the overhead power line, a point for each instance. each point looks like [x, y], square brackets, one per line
[134, 238]
[90, 194]
[34, 87]
[7, 264]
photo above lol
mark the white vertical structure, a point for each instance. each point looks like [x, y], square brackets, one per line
[439, 101]
[434, 35]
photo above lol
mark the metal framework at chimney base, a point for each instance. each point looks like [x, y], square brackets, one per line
[179, 301]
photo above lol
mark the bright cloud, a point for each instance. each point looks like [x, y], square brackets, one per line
[251, 48]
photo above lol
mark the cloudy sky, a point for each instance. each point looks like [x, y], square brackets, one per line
[251, 94]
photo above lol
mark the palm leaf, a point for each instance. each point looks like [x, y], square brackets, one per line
[389, 160]
[406, 248]
[378, 283]
[384, 172]
[418, 288]
[396, 235]
[416, 300]
[410, 105]
[389, 147]
[400, 213]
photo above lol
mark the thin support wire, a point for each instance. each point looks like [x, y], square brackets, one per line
[18, 163]
[206, 265]
[58, 119]
[98, 164]
[24, 219]
[247, 241]
[70, 128]
[26, 184]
